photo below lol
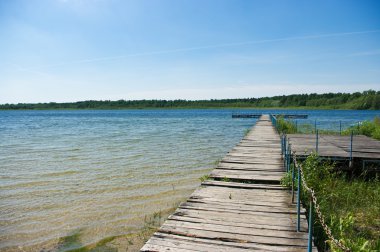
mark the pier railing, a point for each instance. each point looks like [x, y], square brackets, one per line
[313, 205]
[308, 126]
[340, 127]
[286, 146]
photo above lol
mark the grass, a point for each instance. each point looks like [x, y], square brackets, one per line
[204, 178]
[286, 127]
[246, 132]
[367, 128]
[351, 206]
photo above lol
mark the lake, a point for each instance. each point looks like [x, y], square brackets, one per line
[98, 173]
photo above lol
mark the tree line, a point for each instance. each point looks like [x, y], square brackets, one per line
[359, 100]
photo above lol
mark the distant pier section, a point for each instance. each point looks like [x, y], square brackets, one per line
[258, 115]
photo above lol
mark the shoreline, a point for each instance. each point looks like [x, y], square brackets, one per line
[191, 108]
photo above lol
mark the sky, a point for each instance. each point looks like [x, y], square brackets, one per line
[74, 50]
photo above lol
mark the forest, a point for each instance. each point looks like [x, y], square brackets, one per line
[359, 100]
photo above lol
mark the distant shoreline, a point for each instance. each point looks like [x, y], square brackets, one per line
[366, 100]
[186, 108]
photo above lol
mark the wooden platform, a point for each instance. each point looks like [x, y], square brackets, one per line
[286, 116]
[254, 212]
[363, 147]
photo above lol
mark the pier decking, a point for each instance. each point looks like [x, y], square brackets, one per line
[286, 116]
[333, 146]
[254, 212]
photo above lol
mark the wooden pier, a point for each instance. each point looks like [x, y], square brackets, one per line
[241, 207]
[286, 116]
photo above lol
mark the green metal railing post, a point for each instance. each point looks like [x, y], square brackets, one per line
[282, 144]
[340, 128]
[285, 150]
[275, 122]
[293, 178]
[289, 156]
[310, 236]
[351, 140]
[316, 142]
[315, 125]
[286, 159]
[298, 200]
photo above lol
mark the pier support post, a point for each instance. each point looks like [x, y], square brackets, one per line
[282, 144]
[316, 142]
[310, 236]
[289, 156]
[285, 151]
[351, 140]
[293, 178]
[299, 199]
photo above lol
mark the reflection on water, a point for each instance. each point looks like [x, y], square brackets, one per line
[81, 176]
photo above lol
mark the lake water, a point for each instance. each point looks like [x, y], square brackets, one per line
[98, 173]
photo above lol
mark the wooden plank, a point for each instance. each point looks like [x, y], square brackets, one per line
[244, 246]
[247, 172]
[159, 243]
[246, 177]
[233, 236]
[254, 220]
[242, 185]
[215, 220]
[236, 229]
[242, 206]
[258, 211]
[232, 165]
[277, 161]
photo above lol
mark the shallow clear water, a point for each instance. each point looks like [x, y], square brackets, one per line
[100, 172]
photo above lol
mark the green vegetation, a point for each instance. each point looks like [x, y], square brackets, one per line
[204, 178]
[225, 179]
[285, 126]
[367, 128]
[351, 206]
[366, 100]
[246, 132]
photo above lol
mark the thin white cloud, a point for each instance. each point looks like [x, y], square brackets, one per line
[366, 53]
[20, 68]
[169, 51]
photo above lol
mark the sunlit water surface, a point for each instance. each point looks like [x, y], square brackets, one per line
[98, 173]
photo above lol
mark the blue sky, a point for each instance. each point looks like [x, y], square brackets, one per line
[71, 50]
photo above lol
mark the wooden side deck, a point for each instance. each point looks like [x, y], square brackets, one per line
[254, 212]
[363, 147]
